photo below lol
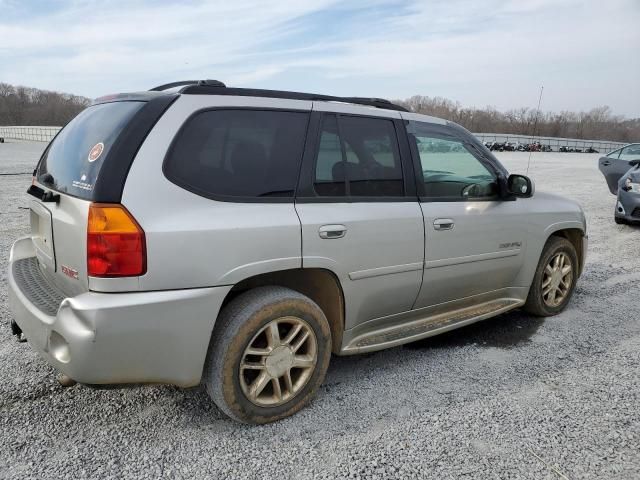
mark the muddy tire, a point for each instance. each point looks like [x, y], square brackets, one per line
[554, 280]
[268, 355]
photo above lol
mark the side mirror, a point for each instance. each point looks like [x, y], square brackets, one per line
[520, 186]
[635, 162]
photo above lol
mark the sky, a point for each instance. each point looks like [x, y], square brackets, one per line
[481, 53]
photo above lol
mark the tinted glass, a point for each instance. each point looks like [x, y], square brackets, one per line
[73, 161]
[364, 155]
[450, 170]
[330, 180]
[239, 153]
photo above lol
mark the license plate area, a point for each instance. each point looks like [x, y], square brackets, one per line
[42, 235]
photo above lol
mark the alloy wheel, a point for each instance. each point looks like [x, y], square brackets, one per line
[557, 280]
[278, 361]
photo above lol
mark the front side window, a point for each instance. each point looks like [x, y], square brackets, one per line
[358, 157]
[239, 153]
[630, 152]
[450, 170]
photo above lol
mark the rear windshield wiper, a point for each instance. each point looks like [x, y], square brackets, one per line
[43, 196]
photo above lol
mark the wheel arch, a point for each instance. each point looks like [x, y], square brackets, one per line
[320, 285]
[576, 236]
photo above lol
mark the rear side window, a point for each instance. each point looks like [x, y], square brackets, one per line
[359, 157]
[239, 153]
[72, 162]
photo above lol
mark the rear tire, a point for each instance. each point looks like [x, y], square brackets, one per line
[268, 355]
[555, 278]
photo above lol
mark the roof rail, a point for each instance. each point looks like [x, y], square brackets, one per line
[208, 83]
[201, 88]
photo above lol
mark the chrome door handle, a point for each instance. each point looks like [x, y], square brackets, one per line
[332, 231]
[443, 224]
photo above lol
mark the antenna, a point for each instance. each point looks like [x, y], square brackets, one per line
[535, 125]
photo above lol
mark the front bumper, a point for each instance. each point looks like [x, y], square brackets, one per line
[115, 338]
[628, 206]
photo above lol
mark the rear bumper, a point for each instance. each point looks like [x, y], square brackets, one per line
[112, 338]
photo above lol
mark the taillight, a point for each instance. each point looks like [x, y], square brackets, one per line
[115, 242]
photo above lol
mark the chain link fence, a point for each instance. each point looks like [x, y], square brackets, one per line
[45, 134]
[602, 146]
[35, 134]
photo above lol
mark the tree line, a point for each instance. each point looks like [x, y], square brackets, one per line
[597, 124]
[32, 106]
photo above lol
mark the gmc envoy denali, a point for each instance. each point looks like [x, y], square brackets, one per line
[237, 238]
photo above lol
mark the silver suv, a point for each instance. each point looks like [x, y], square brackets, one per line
[238, 237]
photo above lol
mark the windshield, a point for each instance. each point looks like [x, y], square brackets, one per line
[72, 162]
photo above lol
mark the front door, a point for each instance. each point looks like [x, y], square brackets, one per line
[475, 241]
[614, 165]
[357, 217]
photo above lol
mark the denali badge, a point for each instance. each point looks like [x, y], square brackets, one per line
[510, 245]
[70, 272]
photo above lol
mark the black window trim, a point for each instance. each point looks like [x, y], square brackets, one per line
[306, 192]
[453, 132]
[239, 198]
[110, 182]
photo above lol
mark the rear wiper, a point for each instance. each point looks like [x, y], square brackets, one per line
[43, 196]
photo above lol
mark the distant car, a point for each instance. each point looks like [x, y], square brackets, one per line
[591, 150]
[620, 170]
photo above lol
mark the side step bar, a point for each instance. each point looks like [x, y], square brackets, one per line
[428, 326]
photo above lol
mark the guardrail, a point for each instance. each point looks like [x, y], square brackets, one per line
[45, 134]
[35, 133]
[602, 146]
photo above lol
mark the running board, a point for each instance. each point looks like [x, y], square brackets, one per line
[428, 326]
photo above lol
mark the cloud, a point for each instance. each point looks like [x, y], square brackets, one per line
[494, 52]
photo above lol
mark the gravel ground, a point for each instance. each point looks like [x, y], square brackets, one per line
[511, 397]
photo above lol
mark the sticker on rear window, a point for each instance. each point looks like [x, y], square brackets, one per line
[95, 152]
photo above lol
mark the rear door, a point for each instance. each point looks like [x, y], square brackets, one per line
[69, 170]
[615, 164]
[359, 213]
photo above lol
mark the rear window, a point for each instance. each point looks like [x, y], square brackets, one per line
[72, 162]
[239, 153]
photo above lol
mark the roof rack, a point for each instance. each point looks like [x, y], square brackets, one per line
[167, 86]
[214, 87]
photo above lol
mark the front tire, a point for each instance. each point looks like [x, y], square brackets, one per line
[268, 355]
[620, 221]
[554, 280]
